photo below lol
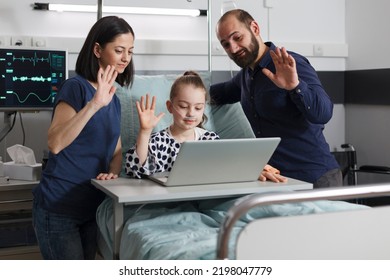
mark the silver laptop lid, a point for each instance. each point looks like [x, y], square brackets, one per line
[221, 161]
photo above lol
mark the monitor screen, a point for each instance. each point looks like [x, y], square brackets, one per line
[30, 77]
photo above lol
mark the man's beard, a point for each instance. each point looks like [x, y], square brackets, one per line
[250, 55]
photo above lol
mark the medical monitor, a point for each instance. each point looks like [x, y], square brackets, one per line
[30, 77]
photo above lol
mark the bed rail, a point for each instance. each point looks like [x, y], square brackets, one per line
[246, 203]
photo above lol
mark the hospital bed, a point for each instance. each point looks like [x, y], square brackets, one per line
[172, 230]
[229, 121]
[142, 212]
[353, 235]
[305, 224]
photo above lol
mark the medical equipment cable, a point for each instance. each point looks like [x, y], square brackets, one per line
[22, 126]
[11, 127]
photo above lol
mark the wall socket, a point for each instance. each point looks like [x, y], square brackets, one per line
[4, 41]
[24, 41]
[217, 49]
[270, 3]
[318, 50]
[38, 42]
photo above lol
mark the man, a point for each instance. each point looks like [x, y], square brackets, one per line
[282, 96]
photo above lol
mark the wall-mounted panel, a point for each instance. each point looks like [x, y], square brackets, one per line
[369, 87]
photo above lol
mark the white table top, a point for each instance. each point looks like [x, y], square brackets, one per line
[134, 191]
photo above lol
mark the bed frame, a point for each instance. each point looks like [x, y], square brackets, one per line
[359, 234]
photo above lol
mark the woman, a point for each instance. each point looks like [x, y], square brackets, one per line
[84, 143]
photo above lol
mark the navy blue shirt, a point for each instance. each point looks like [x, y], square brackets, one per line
[297, 116]
[65, 186]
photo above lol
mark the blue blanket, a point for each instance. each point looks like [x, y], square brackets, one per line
[189, 230]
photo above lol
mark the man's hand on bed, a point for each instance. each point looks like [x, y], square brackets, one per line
[106, 176]
[272, 174]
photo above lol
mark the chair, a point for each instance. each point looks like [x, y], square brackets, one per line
[354, 175]
[348, 163]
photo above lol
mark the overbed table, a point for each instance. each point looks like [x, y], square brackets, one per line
[124, 191]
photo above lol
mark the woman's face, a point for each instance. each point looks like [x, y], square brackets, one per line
[117, 53]
[188, 106]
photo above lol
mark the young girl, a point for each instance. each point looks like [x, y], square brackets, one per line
[156, 152]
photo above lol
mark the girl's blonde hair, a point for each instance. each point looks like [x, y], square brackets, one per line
[189, 78]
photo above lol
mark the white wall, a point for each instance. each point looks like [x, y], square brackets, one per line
[367, 32]
[367, 126]
[314, 28]
[298, 24]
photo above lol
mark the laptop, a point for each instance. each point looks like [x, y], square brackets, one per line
[218, 161]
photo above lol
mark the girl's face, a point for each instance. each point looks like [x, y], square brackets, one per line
[117, 53]
[187, 107]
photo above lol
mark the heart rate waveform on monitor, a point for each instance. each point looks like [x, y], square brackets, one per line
[53, 59]
[33, 79]
[23, 100]
[34, 60]
[30, 78]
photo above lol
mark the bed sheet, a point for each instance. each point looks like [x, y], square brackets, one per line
[189, 230]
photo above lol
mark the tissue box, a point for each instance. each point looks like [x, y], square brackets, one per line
[23, 171]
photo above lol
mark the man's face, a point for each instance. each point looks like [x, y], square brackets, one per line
[238, 41]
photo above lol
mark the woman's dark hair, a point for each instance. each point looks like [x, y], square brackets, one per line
[190, 78]
[104, 31]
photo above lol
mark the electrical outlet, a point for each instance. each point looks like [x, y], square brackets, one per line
[4, 41]
[21, 41]
[270, 3]
[318, 50]
[38, 42]
[17, 41]
[217, 49]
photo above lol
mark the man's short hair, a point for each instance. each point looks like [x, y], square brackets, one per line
[240, 15]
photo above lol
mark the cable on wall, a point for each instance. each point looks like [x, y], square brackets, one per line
[226, 6]
[22, 126]
[8, 115]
